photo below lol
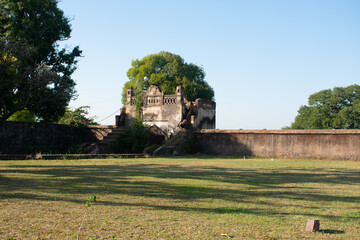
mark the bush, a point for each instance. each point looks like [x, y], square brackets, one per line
[134, 140]
[77, 117]
[22, 116]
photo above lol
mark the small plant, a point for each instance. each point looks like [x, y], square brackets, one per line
[91, 199]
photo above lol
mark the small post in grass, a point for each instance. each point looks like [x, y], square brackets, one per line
[312, 225]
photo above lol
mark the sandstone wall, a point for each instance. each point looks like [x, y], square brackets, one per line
[322, 144]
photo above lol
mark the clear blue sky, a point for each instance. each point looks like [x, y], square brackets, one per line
[262, 57]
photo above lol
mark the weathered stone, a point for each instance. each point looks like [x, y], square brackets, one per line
[171, 112]
[148, 150]
[95, 148]
[321, 144]
[156, 135]
[170, 150]
[179, 151]
[36, 156]
[164, 150]
[28, 138]
[312, 225]
[120, 119]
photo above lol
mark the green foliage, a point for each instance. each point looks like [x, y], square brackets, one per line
[331, 109]
[34, 73]
[77, 117]
[139, 87]
[90, 200]
[40, 22]
[23, 116]
[169, 71]
[134, 140]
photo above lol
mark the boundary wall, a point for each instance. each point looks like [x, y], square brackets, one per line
[22, 137]
[17, 137]
[319, 144]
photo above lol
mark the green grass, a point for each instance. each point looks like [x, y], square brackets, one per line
[179, 198]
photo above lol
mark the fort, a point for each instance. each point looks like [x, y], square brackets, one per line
[175, 112]
[169, 112]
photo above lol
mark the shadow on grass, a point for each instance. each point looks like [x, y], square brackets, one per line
[328, 231]
[174, 182]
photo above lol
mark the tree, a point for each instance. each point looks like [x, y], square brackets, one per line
[77, 117]
[35, 74]
[331, 109]
[23, 116]
[168, 71]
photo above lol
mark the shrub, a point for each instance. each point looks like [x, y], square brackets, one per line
[77, 117]
[134, 140]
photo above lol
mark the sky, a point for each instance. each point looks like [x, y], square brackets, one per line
[263, 58]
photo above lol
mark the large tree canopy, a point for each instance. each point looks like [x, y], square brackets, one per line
[331, 109]
[35, 74]
[168, 71]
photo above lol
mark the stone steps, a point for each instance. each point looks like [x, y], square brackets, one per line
[112, 136]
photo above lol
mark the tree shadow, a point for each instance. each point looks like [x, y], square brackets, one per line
[175, 182]
[328, 231]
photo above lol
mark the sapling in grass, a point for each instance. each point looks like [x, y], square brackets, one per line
[91, 199]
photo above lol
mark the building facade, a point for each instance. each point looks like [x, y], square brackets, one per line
[169, 112]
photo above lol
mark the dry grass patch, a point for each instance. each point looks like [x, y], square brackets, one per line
[179, 198]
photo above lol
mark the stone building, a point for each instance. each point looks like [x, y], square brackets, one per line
[169, 112]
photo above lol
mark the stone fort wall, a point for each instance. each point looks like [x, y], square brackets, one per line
[18, 137]
[22, 137]
[319, 144]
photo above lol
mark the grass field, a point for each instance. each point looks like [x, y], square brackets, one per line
[179, 198]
